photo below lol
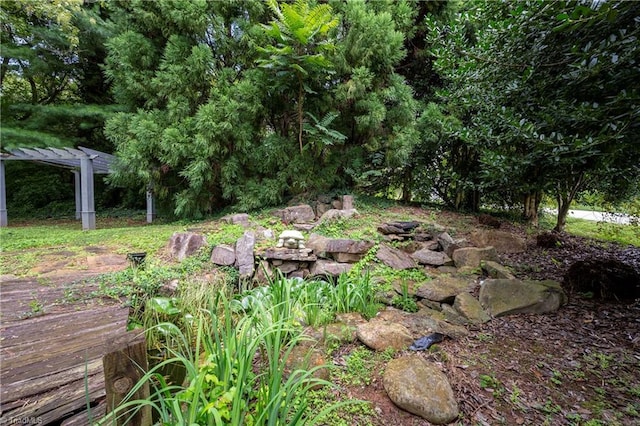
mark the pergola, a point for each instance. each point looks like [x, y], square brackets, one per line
[84, 162]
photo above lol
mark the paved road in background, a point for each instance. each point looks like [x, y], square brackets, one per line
[621, 218]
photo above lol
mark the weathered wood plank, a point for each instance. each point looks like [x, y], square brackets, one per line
[48, 360]
[12, 393]
[85, 418]
[53, 352]
[122, 370]
[55, 404]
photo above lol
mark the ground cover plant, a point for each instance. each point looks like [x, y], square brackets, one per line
[555, 372]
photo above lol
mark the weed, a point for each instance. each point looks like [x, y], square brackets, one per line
[484, 337]
[35, 307]
[405, 301]
[633, 409]
[550, 407]
[514, 396]
[359, 364]
[492, 384]
[556, 377]
[358, 413]
[574, 418]
[599, 360]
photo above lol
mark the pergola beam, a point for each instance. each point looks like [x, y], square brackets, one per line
[87, 160]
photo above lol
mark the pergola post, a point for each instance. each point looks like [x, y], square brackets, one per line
[151, 205]
[78, 192]
[3, 198]
[86, 186]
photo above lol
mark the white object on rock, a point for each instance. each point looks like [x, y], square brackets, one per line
[291, 239]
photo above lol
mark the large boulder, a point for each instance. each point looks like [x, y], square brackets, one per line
[420, 388]
[443, 289]
[380, 335]
[605, 278]
[502, 297]
[502, 241]
[308, 356]
[471, 257]
[394, 258]
[318, 243]
[244, 254]
[183, 244]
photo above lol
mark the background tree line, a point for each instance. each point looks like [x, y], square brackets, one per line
[249, 103]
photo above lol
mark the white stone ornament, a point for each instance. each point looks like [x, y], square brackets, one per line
[291, 239]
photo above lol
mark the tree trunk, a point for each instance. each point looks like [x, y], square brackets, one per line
[565, 193]
[300, 116]
[407, 185]
[531, 207]
[563, 210]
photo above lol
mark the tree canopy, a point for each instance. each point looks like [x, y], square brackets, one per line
[249, 103]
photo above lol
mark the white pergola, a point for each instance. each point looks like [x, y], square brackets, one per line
[84, 162]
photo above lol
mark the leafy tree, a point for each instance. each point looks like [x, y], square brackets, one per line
[53, 92]
[297, 59]
[547, 89]
[42, 76]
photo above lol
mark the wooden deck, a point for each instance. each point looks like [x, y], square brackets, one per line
[51, 349]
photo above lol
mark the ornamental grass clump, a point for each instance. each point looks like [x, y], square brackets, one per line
[234, 371]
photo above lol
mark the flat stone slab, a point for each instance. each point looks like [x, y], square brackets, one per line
[300, 255]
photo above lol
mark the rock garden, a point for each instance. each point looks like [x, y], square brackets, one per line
[442, 290]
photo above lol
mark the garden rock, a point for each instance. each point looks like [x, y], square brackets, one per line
[420, 388]
[431, 258]
[223, 255]
[306, 356]
[322, 268]
[318, 243]
[302, 213]
[423, 322]
[472, 256]
[604, 277]
[244, 254]
[496, 270]
[347, 202]
[351, 319]
[183, 244]
[380, 335]
[443, 288]
[264, 273]
[237, 219]
[344, 250]
[394, 258]
[502, 297]
[470, 308]
[334, 214]
[503, 242]
[452, 316]
[445, 241]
